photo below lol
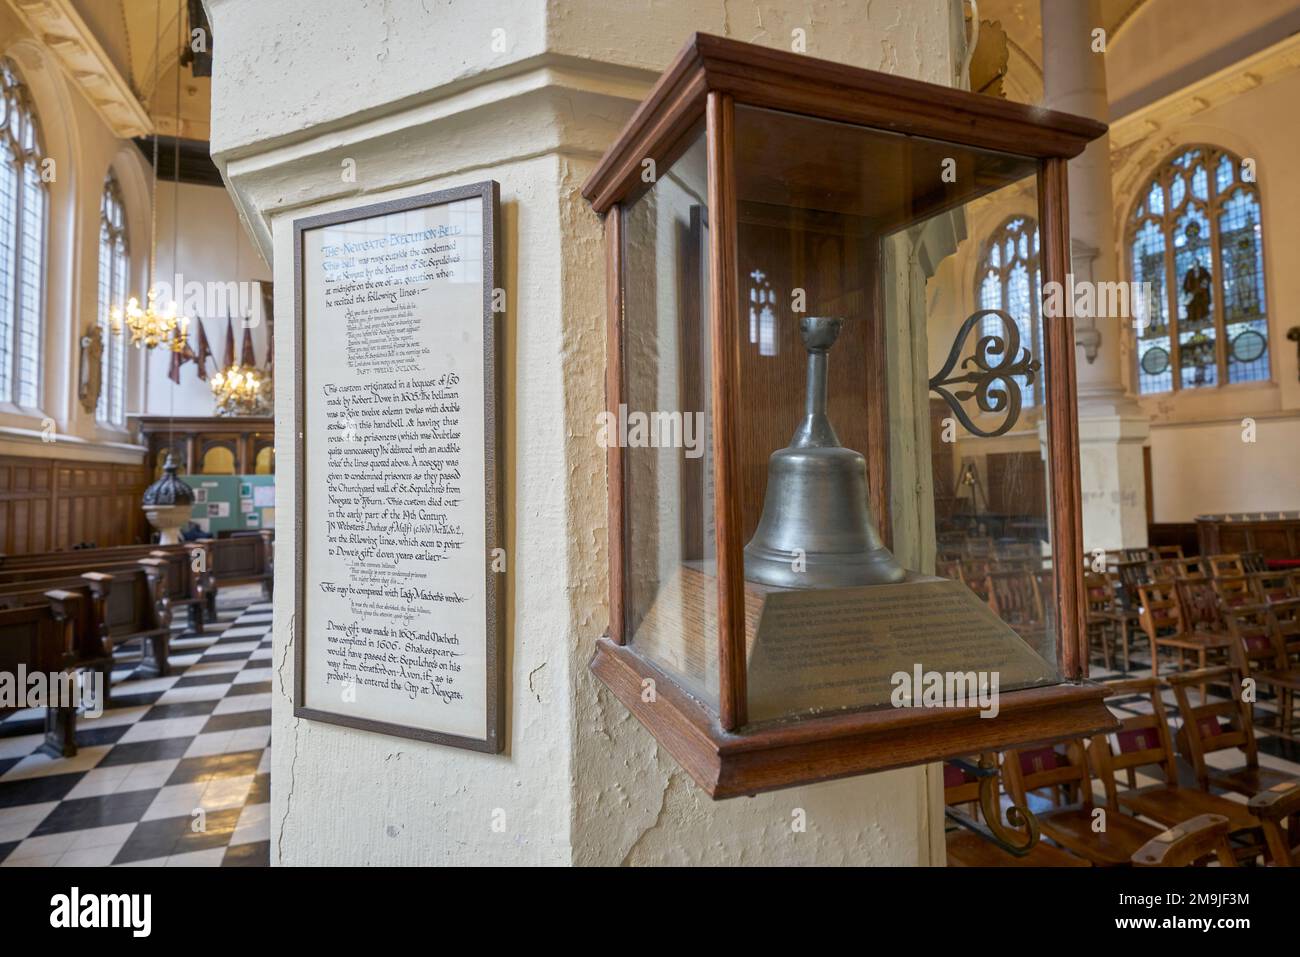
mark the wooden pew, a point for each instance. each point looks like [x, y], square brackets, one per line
[189, 582]
[37, 638]
[241, 560]
[129, 602]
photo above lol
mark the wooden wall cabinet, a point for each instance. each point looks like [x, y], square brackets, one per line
[752, 189]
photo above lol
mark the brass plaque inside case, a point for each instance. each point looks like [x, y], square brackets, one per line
[817, 651]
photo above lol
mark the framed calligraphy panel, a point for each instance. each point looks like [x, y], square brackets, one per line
[398, 611]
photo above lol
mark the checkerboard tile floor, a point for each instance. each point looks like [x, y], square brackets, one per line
[176, 773]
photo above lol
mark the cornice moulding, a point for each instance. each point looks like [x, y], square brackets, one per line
[60, 28]
[549, 105]
[1214, 90]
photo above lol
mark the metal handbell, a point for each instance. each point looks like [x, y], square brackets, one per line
[817, 530]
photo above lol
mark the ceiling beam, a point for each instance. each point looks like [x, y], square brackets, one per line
[58, 26]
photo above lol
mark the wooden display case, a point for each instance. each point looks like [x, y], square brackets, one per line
[751, 190]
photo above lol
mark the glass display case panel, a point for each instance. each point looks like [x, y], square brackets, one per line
[671, 611]
[835, 243]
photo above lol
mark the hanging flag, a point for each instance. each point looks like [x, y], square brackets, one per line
[247, 356]
[205, 353]
[229, 359]
[174, 373]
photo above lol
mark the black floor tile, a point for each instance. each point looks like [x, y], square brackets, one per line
[193, 681]
[7, 763]
[181, 709]
[82, 814]
[250, 687]
[7, 847]
[50, 787]
[260, 792]
[225, 656]
[256, 854]
[176, 835]
[138, 752]
[233, 722]
[128, 700]
[95, 734]
[212, 766]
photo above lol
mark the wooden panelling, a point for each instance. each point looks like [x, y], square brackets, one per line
[1278, 537]
[48, 504]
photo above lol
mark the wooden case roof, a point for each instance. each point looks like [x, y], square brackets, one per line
[781, 80]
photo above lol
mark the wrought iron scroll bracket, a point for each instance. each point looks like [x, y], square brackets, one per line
[1019, 834]
[990, 370]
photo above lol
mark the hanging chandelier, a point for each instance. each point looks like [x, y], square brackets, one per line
[156, 325]
[241, 390]
[151, 326]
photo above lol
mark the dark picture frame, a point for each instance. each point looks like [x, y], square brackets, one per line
[493, 741]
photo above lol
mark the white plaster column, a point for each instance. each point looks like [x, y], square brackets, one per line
[530, 93]
[1112, 427]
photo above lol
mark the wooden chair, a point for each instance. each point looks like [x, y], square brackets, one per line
[1163, 570]
[968, 849]
[1254, 562]
[1278, 809]
[1072, 825]
[1140, 555]
[1188, 843]
[1185, 568]
[1162, 619]
[1236, 591]
[1212, 726]
[1143, 741]
[1226, 566]
[1125, 579]
[1274, 587]
[1259, 651]
[1168, 551]
[1014, 597]
[1101, 622]
[1200, 605]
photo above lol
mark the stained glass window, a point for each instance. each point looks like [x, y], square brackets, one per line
[1194, 234]
[112, 292]
[24, 207]
[1009, 279]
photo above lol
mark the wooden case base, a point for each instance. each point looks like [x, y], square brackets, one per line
[842, 745]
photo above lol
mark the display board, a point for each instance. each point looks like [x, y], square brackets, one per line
[399, 574]
[230, 503]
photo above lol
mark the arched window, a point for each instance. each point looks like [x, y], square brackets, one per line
[24, 206]
[1009, 279]
[113, 272]
[1195, 235]
[762, 313]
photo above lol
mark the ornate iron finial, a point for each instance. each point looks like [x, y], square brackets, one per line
[169, 489]
[989, 370]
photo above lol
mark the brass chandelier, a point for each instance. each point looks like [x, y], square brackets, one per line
[241, 390]
[151, 326]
